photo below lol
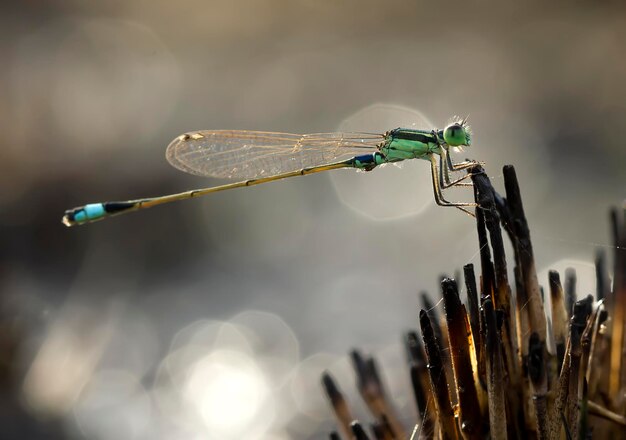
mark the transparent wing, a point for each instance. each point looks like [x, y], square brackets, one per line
[239, 154]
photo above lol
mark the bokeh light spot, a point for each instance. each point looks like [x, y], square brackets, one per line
[390, 191]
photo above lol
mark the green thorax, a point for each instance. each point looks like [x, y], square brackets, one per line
[404, 143]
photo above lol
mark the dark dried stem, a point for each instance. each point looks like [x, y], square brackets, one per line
[459, 334]
[438, 381]
[338, 403]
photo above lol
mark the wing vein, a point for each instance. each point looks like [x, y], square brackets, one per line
[247, 155]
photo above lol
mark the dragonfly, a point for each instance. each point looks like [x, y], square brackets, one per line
[255, 157]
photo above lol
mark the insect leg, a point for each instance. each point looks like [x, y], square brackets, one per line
[447, 167]
[461, 165]
[444, 175]
[439, 199]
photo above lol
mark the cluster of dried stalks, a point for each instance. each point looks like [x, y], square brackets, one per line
[484, 370]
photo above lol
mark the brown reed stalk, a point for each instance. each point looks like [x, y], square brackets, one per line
[559, 315]
[617, 381]
[338, 403]
[371, 389]
[438, 380]
[495, 372]
[419, 381]
[459, 337]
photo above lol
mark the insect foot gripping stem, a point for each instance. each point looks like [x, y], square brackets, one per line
[94, 212]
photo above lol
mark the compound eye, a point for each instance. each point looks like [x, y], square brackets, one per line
[455, 135]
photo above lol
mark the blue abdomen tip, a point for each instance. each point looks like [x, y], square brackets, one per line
[90, 212]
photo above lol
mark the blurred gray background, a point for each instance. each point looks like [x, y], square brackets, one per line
[213, 318]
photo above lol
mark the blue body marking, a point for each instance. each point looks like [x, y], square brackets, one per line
[365, 158]
[90, 212]
[368, 161]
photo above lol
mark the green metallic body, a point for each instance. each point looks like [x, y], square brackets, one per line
[403, 144]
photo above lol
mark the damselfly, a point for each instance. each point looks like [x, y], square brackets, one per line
[255, 157]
